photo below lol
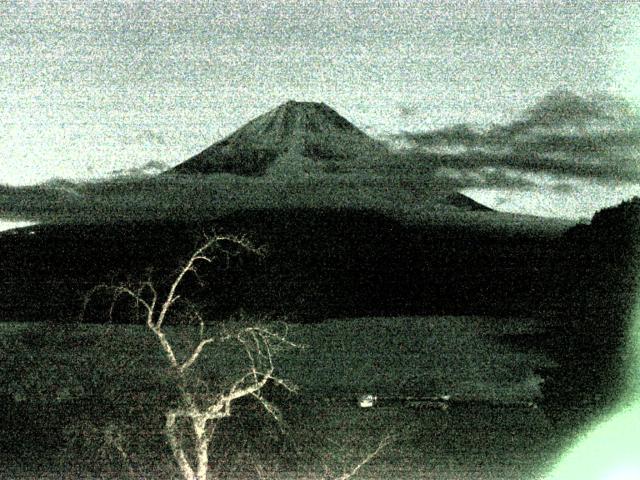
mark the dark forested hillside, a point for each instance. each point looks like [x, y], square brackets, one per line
[592, 288]
[319, 263]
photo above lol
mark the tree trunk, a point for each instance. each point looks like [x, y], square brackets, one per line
[183, 464]
[202, 447]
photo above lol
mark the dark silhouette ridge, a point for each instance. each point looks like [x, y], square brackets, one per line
[591, 288]
[463, 202]
[321, 262]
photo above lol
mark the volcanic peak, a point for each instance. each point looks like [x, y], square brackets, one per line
[291, 123]
[293, 137]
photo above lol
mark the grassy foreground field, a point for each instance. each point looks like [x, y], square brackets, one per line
[77, 396]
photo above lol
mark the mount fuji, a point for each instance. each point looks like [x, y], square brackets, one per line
[294, 138]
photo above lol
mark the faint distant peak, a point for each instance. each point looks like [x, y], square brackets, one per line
[464, 202]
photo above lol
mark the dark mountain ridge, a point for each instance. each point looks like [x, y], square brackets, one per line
[322, 262]
[463, 202]
[591, 288]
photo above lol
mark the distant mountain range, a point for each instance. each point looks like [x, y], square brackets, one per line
[292, 139]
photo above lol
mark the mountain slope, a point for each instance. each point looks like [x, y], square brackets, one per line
[296, 137]
[465, 203]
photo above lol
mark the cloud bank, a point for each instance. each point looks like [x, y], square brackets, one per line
[563, 134]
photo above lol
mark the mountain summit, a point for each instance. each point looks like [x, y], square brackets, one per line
[293, 123]
[296, 137]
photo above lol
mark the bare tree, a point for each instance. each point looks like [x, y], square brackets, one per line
[260, 343]
[200, 411]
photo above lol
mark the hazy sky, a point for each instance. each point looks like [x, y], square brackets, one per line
[90, 87]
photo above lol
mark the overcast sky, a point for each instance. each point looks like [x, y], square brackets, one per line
[91, 87]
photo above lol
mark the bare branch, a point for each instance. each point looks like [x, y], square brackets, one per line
[154, 301]
[268, 406]
[193, 315]
[238, 391]
[166, 346]
[117, 291]
[249, 355]
[196, 353]
[196, 257]
[383, 443]
[290, 387]
[171, 296]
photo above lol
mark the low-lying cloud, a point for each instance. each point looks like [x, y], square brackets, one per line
[152, 167]
[563, 134]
